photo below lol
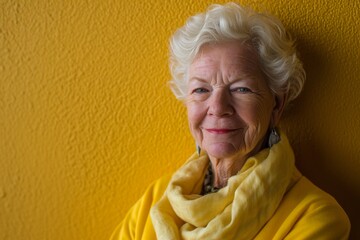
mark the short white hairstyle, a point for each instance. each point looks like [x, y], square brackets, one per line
[231, 22]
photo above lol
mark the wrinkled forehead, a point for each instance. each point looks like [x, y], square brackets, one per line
[229, 58]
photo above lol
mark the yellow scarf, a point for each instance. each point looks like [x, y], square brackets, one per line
[237, 211]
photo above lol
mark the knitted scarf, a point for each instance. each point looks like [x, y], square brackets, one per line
[237, 211]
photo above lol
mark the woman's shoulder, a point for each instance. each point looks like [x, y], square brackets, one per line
[307, 212]
[157, 188]
[308, 193]
[137, 220]
[155, 191]
[313, 212]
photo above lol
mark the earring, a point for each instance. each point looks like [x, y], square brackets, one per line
[198, 149]
[273, 137]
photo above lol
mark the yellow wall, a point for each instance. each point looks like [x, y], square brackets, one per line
[87, 120]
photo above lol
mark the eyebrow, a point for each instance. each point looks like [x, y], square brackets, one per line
[244, 77]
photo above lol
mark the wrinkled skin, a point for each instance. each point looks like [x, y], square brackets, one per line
[230, 106]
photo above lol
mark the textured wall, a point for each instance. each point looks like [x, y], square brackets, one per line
[87, 120]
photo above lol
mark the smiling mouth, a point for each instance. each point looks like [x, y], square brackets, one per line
[220, 130]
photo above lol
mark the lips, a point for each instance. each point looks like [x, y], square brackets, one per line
[220, 130]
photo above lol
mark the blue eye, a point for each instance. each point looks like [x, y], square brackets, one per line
[200, 90]
[241, 90]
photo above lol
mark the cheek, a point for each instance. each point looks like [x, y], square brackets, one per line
[258, 111]
[195, 117]
[256, 115]
[248, 112]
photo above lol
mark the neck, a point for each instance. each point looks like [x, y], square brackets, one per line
[224, 168]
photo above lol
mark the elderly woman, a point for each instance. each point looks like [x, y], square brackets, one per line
[236, 70]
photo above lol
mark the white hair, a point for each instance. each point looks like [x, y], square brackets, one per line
[276, 50]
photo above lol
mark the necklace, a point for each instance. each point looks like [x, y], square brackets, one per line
[208, 185]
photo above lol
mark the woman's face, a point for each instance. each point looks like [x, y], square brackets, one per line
[228, 101]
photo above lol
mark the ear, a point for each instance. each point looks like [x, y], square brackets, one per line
[280, 100]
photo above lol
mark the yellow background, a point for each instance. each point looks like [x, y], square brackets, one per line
[87, 120]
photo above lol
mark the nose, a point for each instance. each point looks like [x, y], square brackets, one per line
[220, 103]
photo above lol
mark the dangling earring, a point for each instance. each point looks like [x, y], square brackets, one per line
[273, 137]
[198, 149]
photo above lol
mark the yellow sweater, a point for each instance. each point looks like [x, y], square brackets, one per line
[306, 212]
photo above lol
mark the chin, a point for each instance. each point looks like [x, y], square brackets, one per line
[221, 150]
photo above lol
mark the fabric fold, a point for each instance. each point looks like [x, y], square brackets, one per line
[238, 210]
